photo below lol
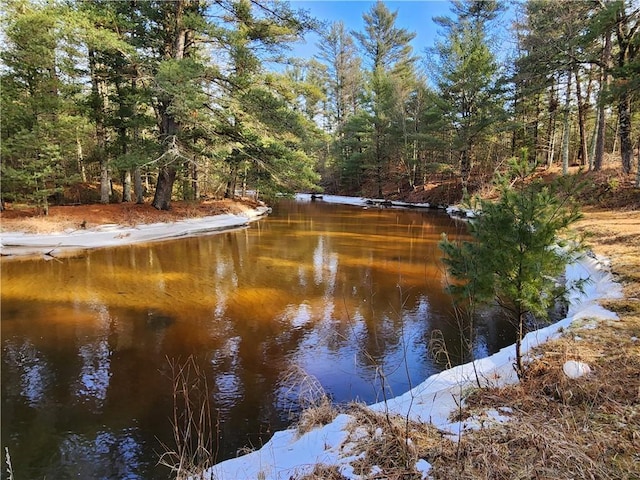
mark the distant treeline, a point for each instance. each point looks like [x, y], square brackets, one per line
[190, 97]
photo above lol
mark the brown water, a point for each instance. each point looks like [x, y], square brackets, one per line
[345, 293]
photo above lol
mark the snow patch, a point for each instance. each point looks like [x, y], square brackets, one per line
[423, 467]
[574, 369]
[111, 235]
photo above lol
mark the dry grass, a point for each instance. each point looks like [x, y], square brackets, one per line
[387, 447]
[307, 394]
[318, 415]
[616, 234]
[194, 431]
[561, 428]
[392, 444]
[324, 472]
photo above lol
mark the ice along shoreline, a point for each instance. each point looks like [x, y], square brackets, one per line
[20, 244]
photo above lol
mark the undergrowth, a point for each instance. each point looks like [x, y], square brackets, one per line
[560, 428]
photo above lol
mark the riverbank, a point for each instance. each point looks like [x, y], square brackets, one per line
[69, 229]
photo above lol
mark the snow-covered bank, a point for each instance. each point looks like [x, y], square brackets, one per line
[19, 243]
[359, 201]
[289, 455]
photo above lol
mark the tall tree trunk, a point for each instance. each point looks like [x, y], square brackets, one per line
[551, 129]
[230, 191]
[566, 127]
[244, 181]
[521, 331]
[186, 181]
[167, 174]
[415, 174]
[536, 129]
[80, 155]
[195, 187]
[169, 127]
[638, 172]
[582, 107]
[378, 154]
[105, 180]
[99, 107]
[594, 143]
[465, 166]
[604, 83]
[164, 187]
[624, 119]
[126, 173]
[137, 186]
[126, 185]
[626, 51]
[514, 133]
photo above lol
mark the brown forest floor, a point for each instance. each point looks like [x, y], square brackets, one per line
[26, 219]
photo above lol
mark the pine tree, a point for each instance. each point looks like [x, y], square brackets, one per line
[518, 251]
[263, 119]
[120, 102]
[627, 33]
[343, 86]
[40, 115]
[389, 53]
[338, 52]
[466, 75]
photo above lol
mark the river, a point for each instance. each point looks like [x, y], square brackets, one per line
[349, 296]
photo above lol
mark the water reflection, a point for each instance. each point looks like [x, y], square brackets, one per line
[95, 355]
[32, 374]
[103, 455]
[350, 296]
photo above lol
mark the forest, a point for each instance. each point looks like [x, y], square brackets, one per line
[190, 99]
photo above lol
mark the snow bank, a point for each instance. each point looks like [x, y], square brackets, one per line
[358, 201]
[288, 455]
[19, 243]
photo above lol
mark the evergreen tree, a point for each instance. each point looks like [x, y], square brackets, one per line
[518, 251]
[627, 33]
[554, 57]
[260, 117]
[422, 125]
[338, 53]
[601, 28]
[466, 77]
[343, 86]
[179, 75]
[120, 101]
[43, 127]
[389, 53]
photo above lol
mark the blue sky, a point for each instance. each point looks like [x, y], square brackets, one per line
[414, 15]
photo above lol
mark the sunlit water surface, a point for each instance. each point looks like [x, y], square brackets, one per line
[348, 295]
